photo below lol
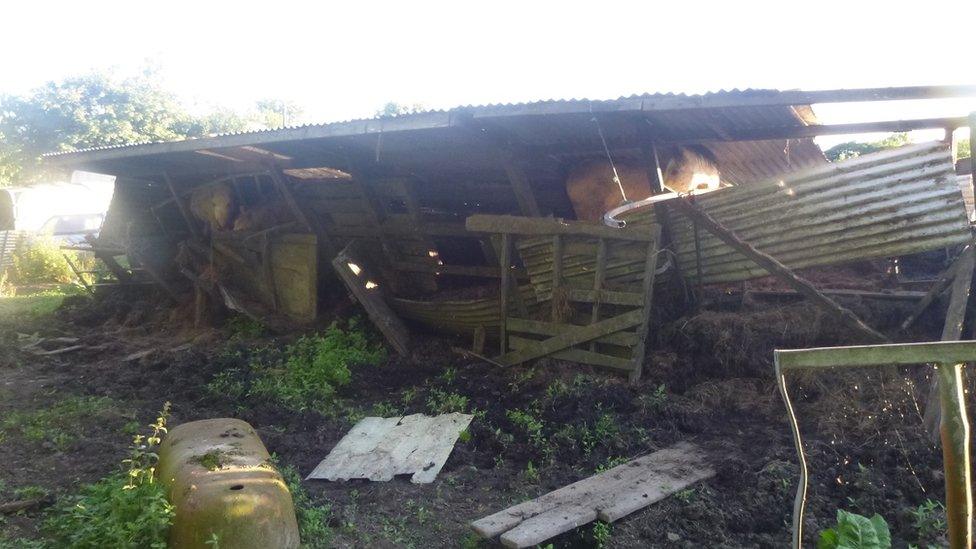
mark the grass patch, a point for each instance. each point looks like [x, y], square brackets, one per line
[36, 304]
[303, 376]
[61, 423]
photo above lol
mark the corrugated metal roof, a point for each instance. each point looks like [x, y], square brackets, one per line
[889, 203]
[446, 141]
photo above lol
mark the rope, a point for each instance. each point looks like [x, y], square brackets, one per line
[616, 177]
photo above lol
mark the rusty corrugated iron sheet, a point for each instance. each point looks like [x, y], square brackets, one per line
[435, 138]
[885, 204]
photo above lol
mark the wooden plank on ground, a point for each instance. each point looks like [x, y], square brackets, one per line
[608, 496]
[379, 449]
[372, 300]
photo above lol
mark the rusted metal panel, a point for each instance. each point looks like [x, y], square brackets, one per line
[885, 204]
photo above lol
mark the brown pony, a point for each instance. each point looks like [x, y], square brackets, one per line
[593, 192]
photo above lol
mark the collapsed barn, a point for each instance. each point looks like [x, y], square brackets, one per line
[526, 227]
[256, 221]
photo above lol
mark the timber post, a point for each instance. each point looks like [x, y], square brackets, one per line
[775, 268]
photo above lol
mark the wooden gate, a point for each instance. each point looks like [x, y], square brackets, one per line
[598, 281]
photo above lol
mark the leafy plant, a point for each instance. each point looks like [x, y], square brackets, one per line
[532, 426]
[306, 374]
[126, 509]
[601, 534]
[313, 519]
[243, 327]
[855, 531]
[929, 519]
[441, 402]
[40, 260]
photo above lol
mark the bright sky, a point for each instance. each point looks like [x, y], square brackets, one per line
[342, 60]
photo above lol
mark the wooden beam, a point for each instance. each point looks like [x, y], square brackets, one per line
[650, 268]
[312, 225]
[777, 269]
[945, 279]
[859, 356]
[539, 327]
[371, 299]
[951, 331]
[520, 184]
[181, 204]
[972, 149]
[512, 224]
[814, 130]
[557, 275]
[598, 279]
[504, 263]
[573, 335]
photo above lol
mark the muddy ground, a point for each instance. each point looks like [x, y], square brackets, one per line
[709, 379]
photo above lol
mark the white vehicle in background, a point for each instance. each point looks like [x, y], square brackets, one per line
[67, 211]
[70, 212]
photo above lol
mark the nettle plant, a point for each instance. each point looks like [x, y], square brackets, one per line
[126, 509]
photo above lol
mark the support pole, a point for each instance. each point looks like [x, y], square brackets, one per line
[936, 290]
[504, 261]
[181, 204]
[954, 430]
[776, 268]
[951, 331]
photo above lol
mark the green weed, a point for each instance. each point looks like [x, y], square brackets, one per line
[601, 534]
[313, 519]
[126, 509]
[243, 328]
[305, 375]
[929, 520]
[385, 409]
[532, 426]
[441, 402]
[448, 375]
[59, 424]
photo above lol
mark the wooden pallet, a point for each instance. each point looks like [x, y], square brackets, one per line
[592, 320]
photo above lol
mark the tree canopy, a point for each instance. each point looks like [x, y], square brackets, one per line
[853, 149]
[97, 110]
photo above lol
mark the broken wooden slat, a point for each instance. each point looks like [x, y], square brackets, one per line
[576, 355]
[557, 270]
[776, 268]
[598, 278]
[379, 449]
[650, 271]
[570, 336]
[609, 496]
[371, 300]
[539, 327]
[610, 297]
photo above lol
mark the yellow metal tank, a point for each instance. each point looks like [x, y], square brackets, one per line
[219, 476]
